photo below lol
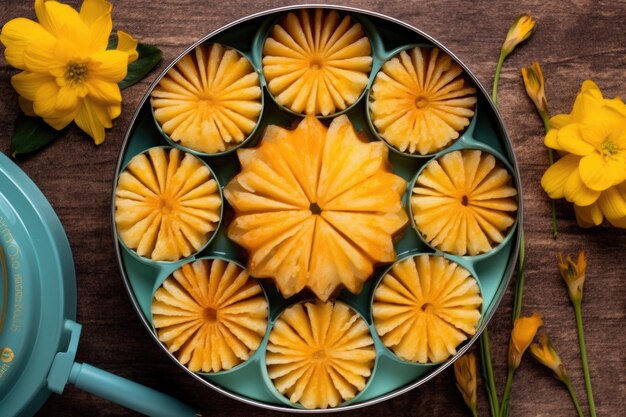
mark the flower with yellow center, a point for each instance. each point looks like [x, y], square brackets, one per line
[592, 170]
[67, 72]
[465, 374]
[522, 335]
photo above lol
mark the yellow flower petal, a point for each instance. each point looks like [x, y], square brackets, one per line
[588, 216]
[570, 139]
[56, 17]
[589, 86]
[551, 139]
[575, 191]
[111, 65]
[599, 173]
[17, 34]
[67, 99]
[612, 202]
[616, 104]
[27, 83]
[553, 180]
[128, 44]
[44, 104]
[103, 91]
[41, 57]
[92, 10]
[602, 124]
[61, 119]
[90, 119]
[560, 120]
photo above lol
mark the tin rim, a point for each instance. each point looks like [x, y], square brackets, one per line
[504, 283]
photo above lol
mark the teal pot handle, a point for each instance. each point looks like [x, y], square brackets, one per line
[106, 385]
[127, 393]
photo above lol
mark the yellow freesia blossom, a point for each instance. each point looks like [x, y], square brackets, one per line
[535, 87]
[520, 30]
[573, 273]
[67, 72]
[592, 169]
[465, 374]
[523, 333]
[545, 354]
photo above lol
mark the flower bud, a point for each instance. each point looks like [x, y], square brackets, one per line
[534, 83]
[545, 354]
[520, 30]
[522, 335]
[465, 373]
[573, 274]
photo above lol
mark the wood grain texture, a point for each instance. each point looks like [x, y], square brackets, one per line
[575, 40]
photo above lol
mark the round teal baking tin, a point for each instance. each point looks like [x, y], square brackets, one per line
[39, 291]
[391, 377]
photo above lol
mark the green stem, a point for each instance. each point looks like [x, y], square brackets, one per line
[572, 394]
[519, 283]
[487, 369]
[474, 412]
[496, 79]
[546, 125]
[583, 356]
[504, 406]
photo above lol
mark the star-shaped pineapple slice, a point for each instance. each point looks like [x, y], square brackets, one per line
[167, 204]
[210, 100]
[316, 62]
[464, 202]
[320, 354]
[316, 207]
[421, 101]
[210, 314]
[424, 307]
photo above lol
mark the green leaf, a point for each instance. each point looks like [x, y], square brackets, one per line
[31, 134]
[149, 57]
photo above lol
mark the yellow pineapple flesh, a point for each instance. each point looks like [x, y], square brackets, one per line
[316, 207]
[210, 314]
[424, 307]
[320, 354]
[210, 100]
[167, 205]
[420, 101]
[464, 202]
[316, 62]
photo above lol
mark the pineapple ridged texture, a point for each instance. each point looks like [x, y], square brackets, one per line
[316, 207]
[210, 100]
[320, 354]
[316, 62]
[464, 202]
[424, 307]
[167, 205]
[210, 314]
[420, 101]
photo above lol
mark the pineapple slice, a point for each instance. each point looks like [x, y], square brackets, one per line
[210, 100]
[167, 205]
[464, 202]
[211, 314]
[424, 307]
[420, 101]
[316, 62]
[316, 207]
[320, 354]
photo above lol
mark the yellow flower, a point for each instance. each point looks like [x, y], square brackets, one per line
[545, 354]
[465, 373]
[520, 30]
[535, 88]
[573, 274]
[67, 73]
[523, 333]
[592, 170]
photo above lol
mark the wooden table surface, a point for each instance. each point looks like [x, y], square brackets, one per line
[575, 40]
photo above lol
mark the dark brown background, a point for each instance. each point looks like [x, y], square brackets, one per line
[575, 40]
